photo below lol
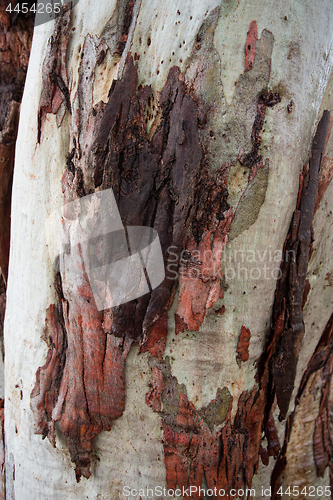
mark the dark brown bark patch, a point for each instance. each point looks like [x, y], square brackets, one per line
[290, 290]
[154, 181]
[126, 26]
[15, 43]
[7, 155]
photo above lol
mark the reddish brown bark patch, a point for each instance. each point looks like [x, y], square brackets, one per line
[83, 363]
[200, 277]
[154, 180]
[250, 47]
[243, 345]
[195, 448]
[273, 443]
[156, 341]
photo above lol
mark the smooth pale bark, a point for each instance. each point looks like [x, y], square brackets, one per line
[301, 63]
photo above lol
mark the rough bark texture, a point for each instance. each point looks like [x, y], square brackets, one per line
[199, 170]
[163, 179]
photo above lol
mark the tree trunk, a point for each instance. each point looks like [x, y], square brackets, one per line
[210, 123]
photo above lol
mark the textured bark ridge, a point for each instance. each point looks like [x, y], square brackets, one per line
[288, 326]
[161, 177]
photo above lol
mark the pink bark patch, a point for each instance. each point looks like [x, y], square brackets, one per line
[200, 274]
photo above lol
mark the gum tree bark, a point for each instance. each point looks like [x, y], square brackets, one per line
[211, 123]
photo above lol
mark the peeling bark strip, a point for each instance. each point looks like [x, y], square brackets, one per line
[190, 438]
[195, 448]
[55, 93]
[289, 294]
[82, 383]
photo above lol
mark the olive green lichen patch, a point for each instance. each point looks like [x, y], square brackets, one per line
[250, 204]
[216, 412]
[171, 391]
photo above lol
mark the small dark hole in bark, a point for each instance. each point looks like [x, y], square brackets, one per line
[249, 47]
[148, 42]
